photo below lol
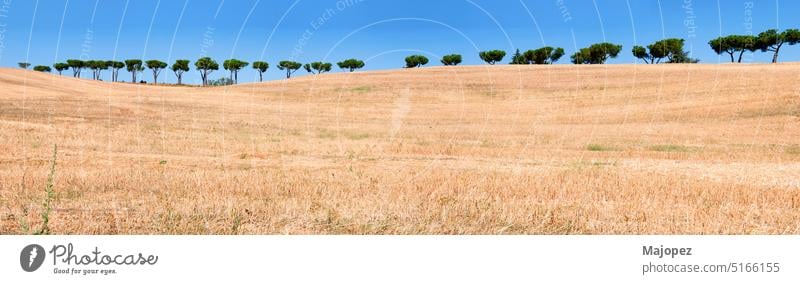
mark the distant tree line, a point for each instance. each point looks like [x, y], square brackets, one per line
[768, 41]
[670, 50]
[544, 55]
[204, 65]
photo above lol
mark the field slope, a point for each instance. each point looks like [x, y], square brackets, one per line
[616, 149]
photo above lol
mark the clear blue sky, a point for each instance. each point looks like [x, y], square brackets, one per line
[382, 32]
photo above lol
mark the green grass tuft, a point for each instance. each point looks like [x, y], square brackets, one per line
[357, 136]
[362, 89]
[599, 148]
[326, 134]
[51, 193]
[669, 148]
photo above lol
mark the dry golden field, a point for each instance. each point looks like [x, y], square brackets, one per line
[614, 149]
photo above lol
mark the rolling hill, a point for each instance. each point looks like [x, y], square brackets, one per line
[561, 149]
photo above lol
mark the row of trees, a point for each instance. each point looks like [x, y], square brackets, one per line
[767, 41]
[204, 65]
[545, 55]
[669, 50]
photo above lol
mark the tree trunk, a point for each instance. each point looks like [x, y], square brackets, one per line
[740, 56]
[261, 76]
[731, 56]
[155, 77]
[775, 56]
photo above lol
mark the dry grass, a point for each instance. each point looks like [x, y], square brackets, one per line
[708, 149]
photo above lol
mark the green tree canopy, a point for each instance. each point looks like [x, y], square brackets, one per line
[414, 61]
[290, 67]
[597, 53]
[115, 67]
[642, 53]
[544, 55]
[60, 67]
[772, 40]
[492, 56]
[234, 65]
[682, 58]
[733, 44]
[318, 67]
[351, 64]
[261, 67]
[156, 66]
[42, 68]
[518, 58]
[206, 66]
[76, 65]
[134, 66]
[179, 67]
[24, 65]
[670, 49]
[451, 59]
[96, 66]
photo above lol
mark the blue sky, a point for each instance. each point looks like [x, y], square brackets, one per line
[382, 32]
